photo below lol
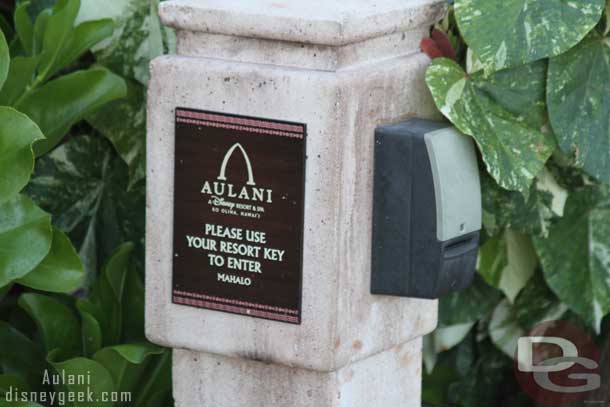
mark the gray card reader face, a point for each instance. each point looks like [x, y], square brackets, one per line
[457, 187]
[426, 210]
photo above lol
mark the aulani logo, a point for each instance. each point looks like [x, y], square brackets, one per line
[220, 189]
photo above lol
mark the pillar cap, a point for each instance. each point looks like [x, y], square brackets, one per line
[321, 22]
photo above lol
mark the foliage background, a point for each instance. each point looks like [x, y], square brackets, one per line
[73, 76]
[529, 80]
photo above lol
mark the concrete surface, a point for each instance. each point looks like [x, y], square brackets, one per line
[311, 22]
[342, 68]
[388, 379]
[342, 321]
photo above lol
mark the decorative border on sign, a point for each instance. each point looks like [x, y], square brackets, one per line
[240, 123]
[235, 309]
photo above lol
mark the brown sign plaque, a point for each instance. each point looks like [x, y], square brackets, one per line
[238, 214]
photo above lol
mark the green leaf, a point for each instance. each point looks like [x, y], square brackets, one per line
[20, 75]
[508, 33]
[106, 298]
[91, 331]
[60, 272]
[139, 37]
[156, 388]
[507, 262]
[6, 28]
[446, 338]
[450, 368]
[11, 382]
[607, 14]
[38, 6]
[483, 385]
[534, 305]
[497, 112]
[20, 356]
[62, 102]
[133, 307]
[531, 215]
[5, 290]
[83, 183]
[576, 255]
[469, 305]
[128, 364]
[5, 59]
[435, 385]
[56, 322]
[25, 238]
[123, 122]
[101, 383]
[579, 104]
[504, 329]
[80, 40]
[17, 133]
[116, 269]
[24, 27]
[57, 31]
[40, 26]
[492, 259]
[537, 303]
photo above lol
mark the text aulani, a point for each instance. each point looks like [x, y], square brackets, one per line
[246, 192]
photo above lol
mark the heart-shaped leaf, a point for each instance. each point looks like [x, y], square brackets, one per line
[507, 262]
[469, 305]
[502, 112]
[138, 38]
[507, 33]
[579, 272]
[578, 97]
[83, 183]
[537, 303]
[531, 213]
[123, 122]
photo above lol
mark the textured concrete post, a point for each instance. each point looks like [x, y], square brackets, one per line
[342, 68]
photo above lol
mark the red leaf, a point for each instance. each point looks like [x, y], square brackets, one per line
[428, 46]
[443, 44]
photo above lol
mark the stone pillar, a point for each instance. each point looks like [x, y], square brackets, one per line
[324, 74]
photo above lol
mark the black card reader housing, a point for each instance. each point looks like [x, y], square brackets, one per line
[426, 210]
